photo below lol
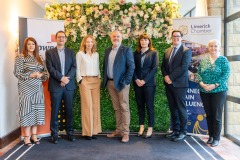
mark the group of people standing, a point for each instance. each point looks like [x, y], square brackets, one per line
[120, 67]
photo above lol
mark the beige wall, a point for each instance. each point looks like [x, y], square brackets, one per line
[10, 10]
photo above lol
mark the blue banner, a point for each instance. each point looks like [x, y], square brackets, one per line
[196, 115]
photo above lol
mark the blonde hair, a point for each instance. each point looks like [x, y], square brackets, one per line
[217, 42]
[83, 44]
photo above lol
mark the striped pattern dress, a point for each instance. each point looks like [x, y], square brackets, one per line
[30, 91]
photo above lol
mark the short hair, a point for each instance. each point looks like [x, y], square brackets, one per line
[217, 42]
[177, 31]
[114, 32]
[144, 36]
[83, 43]
[60, 32]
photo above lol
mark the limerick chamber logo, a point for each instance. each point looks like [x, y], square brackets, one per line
[184, 29]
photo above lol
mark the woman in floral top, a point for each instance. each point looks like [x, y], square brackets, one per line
[213, 74]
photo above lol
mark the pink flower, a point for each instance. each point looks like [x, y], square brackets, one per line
[121, 2]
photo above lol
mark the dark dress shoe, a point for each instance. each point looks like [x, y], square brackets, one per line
[180, 137]
[174, 134]
[210, 140]
[55, 139]
[94, 137]
[88, 137]
[215, 143]
[71, 138]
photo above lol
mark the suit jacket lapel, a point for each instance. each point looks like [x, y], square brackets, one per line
[66, 60]
[57, 59]
[120, 49]
[107, 56]
[146, 56]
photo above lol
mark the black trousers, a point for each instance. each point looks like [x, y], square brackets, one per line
[177, 104]
[56, 102]
[145, 97]
[213, 106]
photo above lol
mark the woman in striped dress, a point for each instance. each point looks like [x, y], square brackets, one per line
[30, 71]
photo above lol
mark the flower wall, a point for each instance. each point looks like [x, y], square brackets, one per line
[132, 20]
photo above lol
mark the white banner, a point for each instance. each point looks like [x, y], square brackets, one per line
[44, 31]
[197, 32]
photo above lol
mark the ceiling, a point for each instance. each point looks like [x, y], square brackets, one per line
[186, 5]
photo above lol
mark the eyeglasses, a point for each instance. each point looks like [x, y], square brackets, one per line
[59, 37]
[176, 36]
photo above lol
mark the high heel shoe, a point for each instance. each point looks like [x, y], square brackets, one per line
[149, 133]
[28, 144]
[141, 131]
[147, 136]
[34, 141]
[140, 135]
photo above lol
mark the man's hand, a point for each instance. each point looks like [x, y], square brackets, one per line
[139, 82]
[65, 80]
[167, 80]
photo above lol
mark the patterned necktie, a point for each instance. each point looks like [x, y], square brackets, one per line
[172, 55]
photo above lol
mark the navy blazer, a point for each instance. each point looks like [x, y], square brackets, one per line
[123, 67]
[180, 64]
[54, 68]
[149, 69]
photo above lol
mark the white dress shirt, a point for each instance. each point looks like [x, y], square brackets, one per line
[87, 65]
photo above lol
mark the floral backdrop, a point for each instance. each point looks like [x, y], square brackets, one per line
[132, 20]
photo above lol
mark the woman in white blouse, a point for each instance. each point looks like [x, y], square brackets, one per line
[88, 77]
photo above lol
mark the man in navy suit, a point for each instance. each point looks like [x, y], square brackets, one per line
[61, 65]
[175, 71]
[118, 71]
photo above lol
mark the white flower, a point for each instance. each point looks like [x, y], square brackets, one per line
[100, 7]
[117, 7]
[149, 10]
[146, 16]
[164, 5]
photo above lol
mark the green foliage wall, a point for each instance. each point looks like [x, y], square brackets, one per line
[162, 116]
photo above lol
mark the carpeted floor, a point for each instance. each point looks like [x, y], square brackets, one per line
[103, 148]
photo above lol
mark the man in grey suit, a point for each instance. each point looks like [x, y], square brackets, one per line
[175, 71]
[118, 71]
[61, 65]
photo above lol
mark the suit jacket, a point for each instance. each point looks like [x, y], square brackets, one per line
[123, 67]
[54, 68]
[179, 65]
[149, 69]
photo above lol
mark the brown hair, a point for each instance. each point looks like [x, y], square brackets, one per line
[35, 52]
[83, 43]
[177, 31]
[144, 36]
[60, 32]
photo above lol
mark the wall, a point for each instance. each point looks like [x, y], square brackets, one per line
[9, 12]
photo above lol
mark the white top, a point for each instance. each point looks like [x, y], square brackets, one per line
[87, 65]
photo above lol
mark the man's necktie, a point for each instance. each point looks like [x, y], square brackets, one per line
[172, 55]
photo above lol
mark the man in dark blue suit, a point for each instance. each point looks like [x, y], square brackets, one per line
[175, 71]
[118, 71]
[61, 65]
